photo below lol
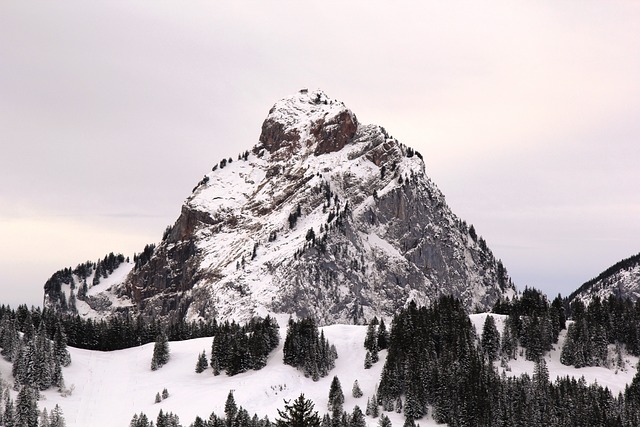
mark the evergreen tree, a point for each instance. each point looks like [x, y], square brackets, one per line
[336, 396]
[44, 419]
[202, 363]
[160, 352]
[355, 390]
[508, 346]
[490, 338]
[357, 418]
[215, 365]
[242, 418]
[298, 414]
[372, 407]
[158, 398]
[383, 336]
[384, 421]
[398, 405]
[368, 361]
[165, 393]
[409, 422]
[139, 420]
[56, 418]
[371, 342]
[9, 411]
[230, 409]
[60, 346]
[26, 408]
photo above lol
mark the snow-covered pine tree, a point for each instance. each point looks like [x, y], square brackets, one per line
[26, 408]
[9, 411]
[490, 339]
[9, 339]
[371, 341]
[355, 390]
[508, 345]
[139, 420]
[336, 396]
[297, 414]
[368, 361]
[230, 409]
[384, 421]
[160, 352]
[202, 363]
[60, 346]
[56, 418]
[372, 406]
[44, 419]
[357, 418]
[383, 336]
[398, 405]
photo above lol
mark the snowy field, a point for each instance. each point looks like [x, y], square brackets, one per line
[109, 387]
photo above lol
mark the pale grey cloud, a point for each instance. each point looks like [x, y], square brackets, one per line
[526, 114]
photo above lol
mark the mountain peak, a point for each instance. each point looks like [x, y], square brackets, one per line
[307, 122]
[326, 218]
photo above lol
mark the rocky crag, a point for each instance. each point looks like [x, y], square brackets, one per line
[323, 217]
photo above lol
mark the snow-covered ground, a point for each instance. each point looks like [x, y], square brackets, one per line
[109, 387]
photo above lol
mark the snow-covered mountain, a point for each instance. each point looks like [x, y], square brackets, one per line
[324, 217]
[620, 280]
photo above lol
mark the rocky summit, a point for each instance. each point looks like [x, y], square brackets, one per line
[323, 217]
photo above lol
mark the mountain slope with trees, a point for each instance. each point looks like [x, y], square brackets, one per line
[621, 280]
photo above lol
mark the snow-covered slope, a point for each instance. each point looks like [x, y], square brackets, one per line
[620, 280]
[109, 387]
[89, 293]
[324, 217]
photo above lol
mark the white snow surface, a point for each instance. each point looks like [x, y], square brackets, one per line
[110, 387]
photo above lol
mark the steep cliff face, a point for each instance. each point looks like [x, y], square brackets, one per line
[323, 217]
[620, 280]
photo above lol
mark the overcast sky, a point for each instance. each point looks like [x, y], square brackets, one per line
[527, 115]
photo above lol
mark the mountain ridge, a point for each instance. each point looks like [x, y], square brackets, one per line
[622, 279]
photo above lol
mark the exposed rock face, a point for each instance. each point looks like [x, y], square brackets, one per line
[621, 280]
[304, 120]
[325, 217]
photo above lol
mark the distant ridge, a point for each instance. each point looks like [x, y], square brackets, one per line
[621, 279]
